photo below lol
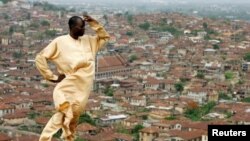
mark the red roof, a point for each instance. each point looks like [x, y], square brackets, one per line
[187, 135]
[85, 127]
[4, 137]
[106, 63]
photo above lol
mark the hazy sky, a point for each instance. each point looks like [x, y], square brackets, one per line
[147, 1]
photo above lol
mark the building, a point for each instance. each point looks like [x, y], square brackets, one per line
[6, 109]
[111, 66]
[149, 133]
[110, 119]
[245, 66]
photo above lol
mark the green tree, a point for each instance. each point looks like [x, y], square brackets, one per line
[216, 46]
[50, 33]
[171, 117]
[132, 58]
[79, 139]
[135, 131]
[145, 25]
[6, 16]
[5, 1]
[247, 57]
[45, 23]
[247, 99]
[130, 33]
[45, 85]
[207, 37]
[32, 115]
[179, 87]
[193, 114]
[11, 30]
[137, 128]
[229, 114]
[197, 113]
[241, 82]
[229, 75]
[144, 117]
[130, 19]
[222, 95]
[86, 118]
[17, 55]
[109, 91]
[205, 26]
[34, 25]
[200, 75]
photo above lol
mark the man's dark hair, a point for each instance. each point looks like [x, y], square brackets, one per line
[73, 20]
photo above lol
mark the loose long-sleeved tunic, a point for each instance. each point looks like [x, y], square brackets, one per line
[75, 59]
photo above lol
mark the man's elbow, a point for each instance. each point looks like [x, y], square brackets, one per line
[107, 38]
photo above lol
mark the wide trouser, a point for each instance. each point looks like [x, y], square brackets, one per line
[66, 118]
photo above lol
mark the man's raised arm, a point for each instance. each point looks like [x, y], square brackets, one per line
[101, 35]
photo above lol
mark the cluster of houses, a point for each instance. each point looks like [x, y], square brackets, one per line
[137, 74]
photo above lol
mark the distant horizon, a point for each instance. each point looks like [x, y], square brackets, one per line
[145, 1]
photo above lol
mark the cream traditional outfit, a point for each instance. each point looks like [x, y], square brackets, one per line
[75, 59]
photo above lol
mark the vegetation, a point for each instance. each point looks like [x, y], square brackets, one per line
[49, 7]
[195, 32]
[45, 85]
[224, 96]
[179, 87]
[17, 55]
[216, 46]
[207, 37]
[241, 82]
[11, 29]
[168, 28]
[79, 139]
[130, 19]
[86, 118]
[229, 75]
[247, 57]
[205, 26]
[211, 31]
[34, 25]
[247, 99]
[228, 114]
[144, 117]
[23, 127]
[200, 75]
[32, 115]
[197, 113]
[45, 23]
[145, 25]
[132, 58]
[5, 1]
[6, 16]
[172, 117]
[130, 33]
[121, 129]
[136, 130]
[109, 91]
[50, 33]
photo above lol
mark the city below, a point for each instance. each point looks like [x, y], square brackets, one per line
[163, 76]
